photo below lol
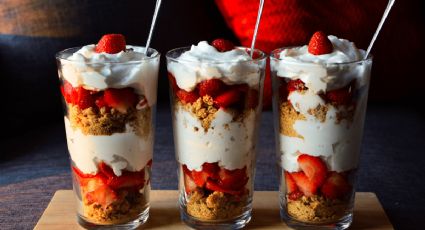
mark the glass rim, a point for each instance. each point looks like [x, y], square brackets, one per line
[278, 50]
[264, 56]
[59, 56]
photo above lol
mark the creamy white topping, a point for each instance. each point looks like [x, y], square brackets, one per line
[228, 142]
[336, 142]
[119, 150]
[322, 73]
[204, 62]
[99, 71]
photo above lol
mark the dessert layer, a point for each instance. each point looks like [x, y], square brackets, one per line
[203, 62]
[126, 150]
[99, 71]
[230, 143]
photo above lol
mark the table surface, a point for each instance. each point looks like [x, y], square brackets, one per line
[392, 161]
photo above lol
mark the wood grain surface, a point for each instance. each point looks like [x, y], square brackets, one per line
[164, 214]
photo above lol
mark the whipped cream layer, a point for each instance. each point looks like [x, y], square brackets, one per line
[121, 151]
[99, 71]
[204, 62]
[323, 73]
[228, 142]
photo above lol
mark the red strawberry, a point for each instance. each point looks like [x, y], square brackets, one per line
[240, 87]
[111, 44]
[106, 170]
[187, 97]
[294, 85]
[319, 44]
[228, 98]
[211, 87]
[92, 183]
[211, 169]
[283, 89]
[304, 184]
[127, 180]
[222, 45]
[173, 82]
[232, 179]
[102, 195]
[252, 99]
[335, 186]
[199, 177]
[189, 184]
[120, 99]
[81, 177]
[341, 96]
[68, 92]
[213, 186]
[295, 195]
[291, 186]
[100, 102]
[313, 167]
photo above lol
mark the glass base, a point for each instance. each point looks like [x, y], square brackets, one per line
[343, 223]
[195, 223]
[140, 220]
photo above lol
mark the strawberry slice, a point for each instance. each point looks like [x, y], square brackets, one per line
[228, 98]
[68, 92]
[295, 195]
[211, 169]
[313, 167]
[342, 96]
[304, 184]
[212, 87]
[294, 85]
[111, 44]
[199, 177]
[214, 186]
[102, 195]
[106, 170]
[232, 179]
[187, 97]
[291, 186]
[320, 44]
[127, 180]
[173, 82]
[120, 99]
[222, 45]
[335, 186]
[189, 184]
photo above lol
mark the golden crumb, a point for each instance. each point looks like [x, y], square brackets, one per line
[319, 112]
[288, 117]
[204, 110]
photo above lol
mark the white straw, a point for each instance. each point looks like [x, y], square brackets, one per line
[155, 15]
[257, 23]
[381, 23]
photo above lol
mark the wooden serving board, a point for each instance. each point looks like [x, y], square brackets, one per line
[164, 214]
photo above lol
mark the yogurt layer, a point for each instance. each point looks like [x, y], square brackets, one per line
[121, 151]
[228, 142]
[203, 62]
[99, 71]
[322, 73]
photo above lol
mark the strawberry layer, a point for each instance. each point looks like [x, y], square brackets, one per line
[121, 151]
[100, 71]
[230, 143]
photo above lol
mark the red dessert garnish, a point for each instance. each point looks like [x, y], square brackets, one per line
[120, 99]
[306, 186]
[232, 179]
[102, 195]
[111, 44]
[313, 167]
[222, 45]
[294, 85]
[189, 184]
[320, 44]
[295, 195]
[212, 87]
[127, 180]
[291, 186]
[335, 186]
[214, 186]
[228, 98]
[341, 96]
[187, 97]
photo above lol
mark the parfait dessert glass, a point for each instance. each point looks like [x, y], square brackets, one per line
[109, 98]
[216, 94]
[319, 102]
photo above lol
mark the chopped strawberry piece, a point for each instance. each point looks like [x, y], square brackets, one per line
[341, 96]
[102, 195]
[211, 169]
[294, 85]
[252, 99]
[233, 179]
[283, 90]
[228, 98]
[304, 184]
[111, 44]
[222, 45]
[120, 99]
[106, 170]
[335, 186]
[212, 87]
[187, 97]
[313, 167]
[68, 92]
[91, 184]
[240, 87]
[200, 177]
[127, 180]
[100, 103]
[173, 82]
[213, 186]
[320, 44]
[189, 184]
[291, 186]
[295, 195]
